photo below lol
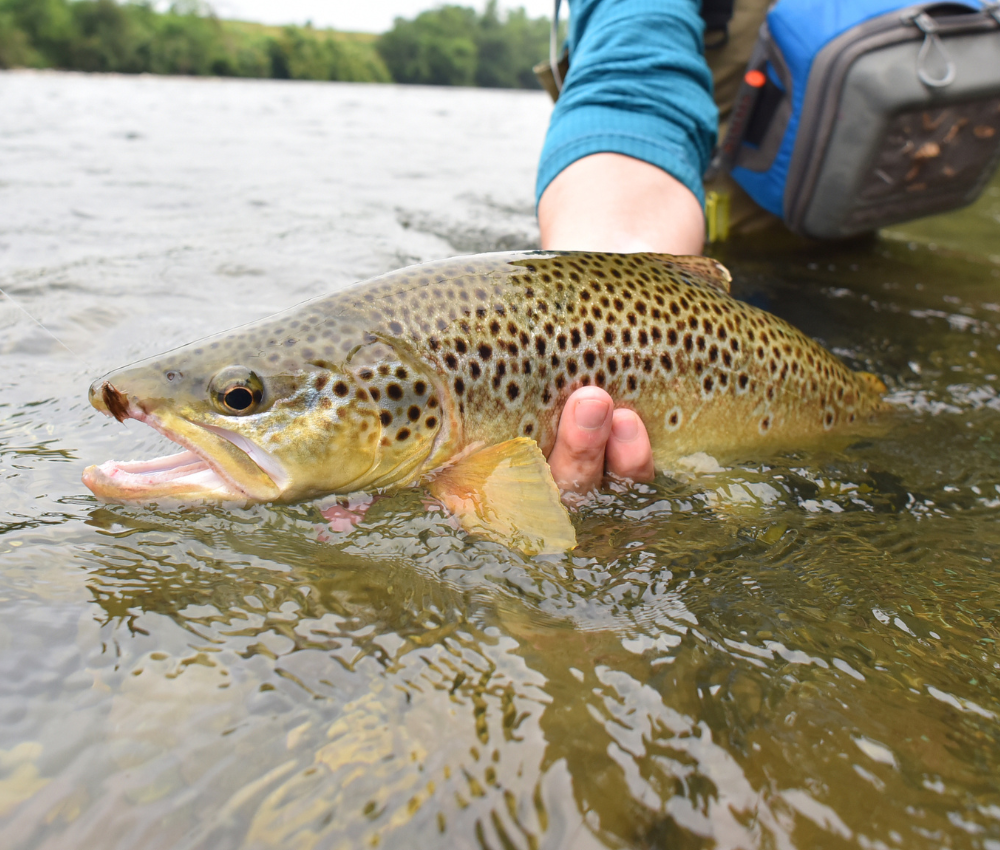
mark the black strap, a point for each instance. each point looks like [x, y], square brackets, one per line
[716, 14]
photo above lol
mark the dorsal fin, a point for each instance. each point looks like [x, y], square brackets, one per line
[872, 382]
[708, 271]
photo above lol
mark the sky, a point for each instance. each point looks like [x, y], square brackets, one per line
[351, 15]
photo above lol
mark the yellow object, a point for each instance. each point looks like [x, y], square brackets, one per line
[716, 216]
[506, 492]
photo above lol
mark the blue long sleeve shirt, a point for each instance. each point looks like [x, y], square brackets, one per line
[638, 85]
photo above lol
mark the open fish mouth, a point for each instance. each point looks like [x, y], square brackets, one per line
[204, 470]
[181, 475]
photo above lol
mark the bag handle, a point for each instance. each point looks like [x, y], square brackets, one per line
[932, 41]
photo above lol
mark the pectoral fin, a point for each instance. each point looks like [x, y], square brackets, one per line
[506, 493]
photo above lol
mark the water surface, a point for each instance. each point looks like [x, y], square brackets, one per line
[797, 653]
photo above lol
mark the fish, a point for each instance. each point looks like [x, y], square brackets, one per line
[451, 375]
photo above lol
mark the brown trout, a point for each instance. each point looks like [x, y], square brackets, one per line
[453, 374]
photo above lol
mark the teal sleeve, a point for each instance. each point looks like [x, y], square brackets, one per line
[638, 85]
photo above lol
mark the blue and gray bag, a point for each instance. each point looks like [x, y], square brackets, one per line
[856, 114]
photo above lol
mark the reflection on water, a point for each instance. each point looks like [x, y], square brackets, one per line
[798, 653]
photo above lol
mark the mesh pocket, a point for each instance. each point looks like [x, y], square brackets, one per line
[934, 152]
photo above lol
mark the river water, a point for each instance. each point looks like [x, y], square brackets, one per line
[799, 653]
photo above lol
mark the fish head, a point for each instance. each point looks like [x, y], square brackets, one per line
[262, 420]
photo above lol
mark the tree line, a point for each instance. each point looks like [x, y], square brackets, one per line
[450, 45]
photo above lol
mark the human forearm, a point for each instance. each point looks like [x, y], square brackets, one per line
[611, 202]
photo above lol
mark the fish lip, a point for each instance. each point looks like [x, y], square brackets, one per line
[133, 410]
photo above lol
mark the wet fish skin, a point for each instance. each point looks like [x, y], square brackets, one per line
[378, 385]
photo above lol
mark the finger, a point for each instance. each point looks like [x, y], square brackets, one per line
[629, 453]
[577, 460]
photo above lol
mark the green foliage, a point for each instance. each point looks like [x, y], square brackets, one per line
[451, 45]
[298, 55]
[435, 48]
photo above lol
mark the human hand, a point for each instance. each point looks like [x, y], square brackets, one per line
[593, 438]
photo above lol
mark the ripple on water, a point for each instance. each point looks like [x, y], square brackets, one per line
[797, 652]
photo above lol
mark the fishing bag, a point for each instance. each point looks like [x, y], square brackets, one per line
[855, 114]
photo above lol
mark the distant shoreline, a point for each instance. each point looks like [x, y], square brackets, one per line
[449, 46]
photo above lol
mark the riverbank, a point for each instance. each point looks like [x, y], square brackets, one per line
[451, 45]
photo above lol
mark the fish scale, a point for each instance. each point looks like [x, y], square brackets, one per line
[514, 335]
[390, 381]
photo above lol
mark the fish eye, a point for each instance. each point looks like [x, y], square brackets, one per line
[238, 398]
[236, 390]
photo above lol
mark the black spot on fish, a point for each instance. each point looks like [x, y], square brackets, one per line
[340, 389]
[513, 391]
[401, 373]
[474, 369]
[589, 358]
[413, 413]
[403, 434]
[420, 388]
[485, 352]
[666, 362]
[451, 361]
[394, 391]
[385, 417]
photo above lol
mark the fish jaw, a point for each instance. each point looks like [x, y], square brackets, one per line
[217, 464]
